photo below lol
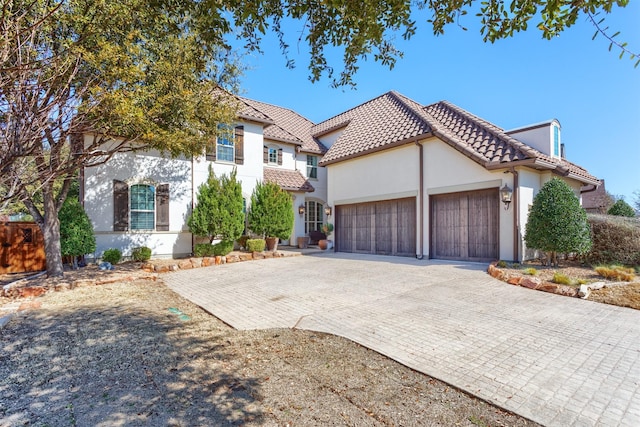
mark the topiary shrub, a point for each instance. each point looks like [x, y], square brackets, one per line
[112, 256]
[141, 254]
[616, 240]
[256, 245]
[557, 223]
[622, 208]
[203, 249]
[223, 248]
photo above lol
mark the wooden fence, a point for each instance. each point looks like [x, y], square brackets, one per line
[21, 247]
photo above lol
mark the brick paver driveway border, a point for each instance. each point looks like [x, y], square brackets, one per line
[555, 360]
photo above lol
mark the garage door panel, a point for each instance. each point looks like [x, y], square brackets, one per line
[386, 227]
[464, 226]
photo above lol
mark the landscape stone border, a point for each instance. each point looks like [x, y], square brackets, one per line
[148, 270]
[532, 282]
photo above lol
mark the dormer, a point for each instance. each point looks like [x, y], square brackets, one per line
[544, 137]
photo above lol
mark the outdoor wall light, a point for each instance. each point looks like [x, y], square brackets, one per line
[505, 196]
[327, 211]
[301, 209]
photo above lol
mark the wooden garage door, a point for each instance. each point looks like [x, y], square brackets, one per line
[464, 226]
[385, 228]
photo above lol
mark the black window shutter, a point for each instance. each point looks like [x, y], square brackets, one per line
[120, 206]
[239, 143]
[162, 207]
[279, 156]
[265, 154]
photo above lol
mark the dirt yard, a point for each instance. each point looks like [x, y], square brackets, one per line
[127, 354]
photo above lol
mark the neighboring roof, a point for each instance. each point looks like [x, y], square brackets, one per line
[290, 180]
[287, 126]
[595, 199]
[392, 119]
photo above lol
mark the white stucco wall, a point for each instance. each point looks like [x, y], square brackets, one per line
[184, 176]
[149, 168]
[539, 136]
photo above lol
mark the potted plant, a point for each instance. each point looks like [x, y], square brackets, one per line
[326, 230]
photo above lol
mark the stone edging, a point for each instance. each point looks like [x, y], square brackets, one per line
[150, 271]
[188, 263]
[538, 284]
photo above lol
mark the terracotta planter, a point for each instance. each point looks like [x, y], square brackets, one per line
[272, 243]
[323, 244]
[303, 242]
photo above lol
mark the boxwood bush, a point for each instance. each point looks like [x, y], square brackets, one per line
[223, 248]
[140, 254]
[256, 245]
[112, 256]
[203, 249]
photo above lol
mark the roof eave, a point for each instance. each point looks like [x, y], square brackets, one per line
[265, 122]
[377, 149]
[282, 140]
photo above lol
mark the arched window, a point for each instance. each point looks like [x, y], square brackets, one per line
[313, 216]
[143, 207]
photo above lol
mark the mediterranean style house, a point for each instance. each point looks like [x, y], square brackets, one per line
[393, 176]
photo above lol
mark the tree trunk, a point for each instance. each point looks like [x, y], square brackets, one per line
[51, 233]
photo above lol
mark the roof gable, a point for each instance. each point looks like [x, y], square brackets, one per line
[287, 126]
[393, 119]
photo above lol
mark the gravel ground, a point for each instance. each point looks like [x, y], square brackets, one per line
[128, 354]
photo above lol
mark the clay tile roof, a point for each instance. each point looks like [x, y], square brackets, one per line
[374, 125]
[393, 119]
[475, 137]
[289, 180]
[287, 126]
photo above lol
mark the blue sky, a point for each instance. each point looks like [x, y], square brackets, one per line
[511, 83]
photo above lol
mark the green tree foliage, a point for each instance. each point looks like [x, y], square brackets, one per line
[621, 208]
[271, 211]
[76, 230]
[148, 72]
[218, 212]
[363, 29]
[557, 222]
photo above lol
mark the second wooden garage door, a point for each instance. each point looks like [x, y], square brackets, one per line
[385, 228]
[464, 226]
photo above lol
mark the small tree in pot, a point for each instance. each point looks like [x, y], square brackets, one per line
[271, 213]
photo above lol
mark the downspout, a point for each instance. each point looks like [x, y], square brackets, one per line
[420, 254]
[516, 214]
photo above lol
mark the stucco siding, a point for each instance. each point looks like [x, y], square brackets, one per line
[385, 175]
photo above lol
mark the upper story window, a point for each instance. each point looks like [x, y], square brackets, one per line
[312, 166]
[556, 141]
[273, 156]
[225, 146]
[143, 207]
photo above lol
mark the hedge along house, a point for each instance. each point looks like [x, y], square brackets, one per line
[407, 179]
[144, 198]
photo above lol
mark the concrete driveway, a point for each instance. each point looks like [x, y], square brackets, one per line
[555, 360]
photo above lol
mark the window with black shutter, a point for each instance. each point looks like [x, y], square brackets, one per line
[239, 141]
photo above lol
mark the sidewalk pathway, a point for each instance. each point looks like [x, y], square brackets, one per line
[558, 361]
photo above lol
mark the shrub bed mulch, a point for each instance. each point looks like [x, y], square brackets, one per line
[624, 294]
